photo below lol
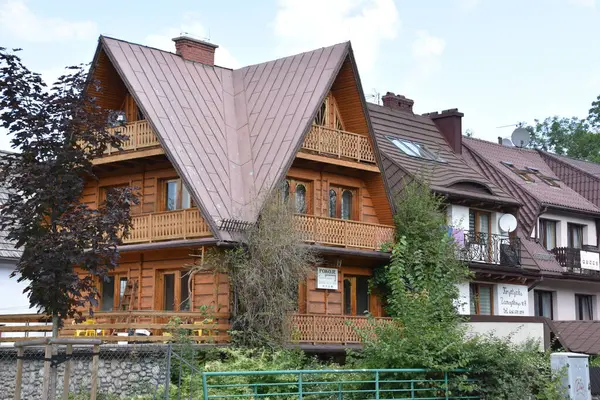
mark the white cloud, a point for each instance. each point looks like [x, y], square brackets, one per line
[190, 26]
[427, 46]
[302, 25]
[584, 3]
[18, 20]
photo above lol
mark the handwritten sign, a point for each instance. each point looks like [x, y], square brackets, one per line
[512, 300]
[590, 260]
[327, 278]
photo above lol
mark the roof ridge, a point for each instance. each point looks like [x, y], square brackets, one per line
[466, 138]
[561, 158]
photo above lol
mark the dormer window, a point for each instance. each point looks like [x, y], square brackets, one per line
[526, 173]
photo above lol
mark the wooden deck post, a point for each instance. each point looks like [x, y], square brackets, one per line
[67, 378]
[46, 383]
[19, 377]
[95, 364]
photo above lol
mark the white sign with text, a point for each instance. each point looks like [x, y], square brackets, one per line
[590, 260]
[327, 278]
[512, 300]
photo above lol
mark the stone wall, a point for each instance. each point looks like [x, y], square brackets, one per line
[124, 370]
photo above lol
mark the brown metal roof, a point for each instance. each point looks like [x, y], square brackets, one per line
[578, 336]
[229, 133]
[561, 197]
[448, 177]
[588, 167]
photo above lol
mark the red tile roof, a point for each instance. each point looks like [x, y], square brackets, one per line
[229, 133]
[560, 197]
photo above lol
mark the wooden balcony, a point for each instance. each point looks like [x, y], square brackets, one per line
[341, 145]
[168, 225]
[122, 327]
[141, 142]
[330, 329]
[345, 233]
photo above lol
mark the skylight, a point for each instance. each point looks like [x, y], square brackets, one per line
[415, 149]
[527, 173]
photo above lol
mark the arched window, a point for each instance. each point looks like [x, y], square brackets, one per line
[285, 190]
[347, 204]
[332, 203]
[300, 198]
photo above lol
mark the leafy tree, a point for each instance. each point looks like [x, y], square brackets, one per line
[573, 137]
[57, 131]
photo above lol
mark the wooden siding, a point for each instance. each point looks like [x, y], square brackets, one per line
[580, 181]
[345, 91]
[324, 301]
[111, 92]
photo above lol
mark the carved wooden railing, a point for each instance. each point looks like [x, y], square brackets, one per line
[140, 135]
[129, 326]
[338, 143]
[341, 232]
[340, 329]
[168, 225]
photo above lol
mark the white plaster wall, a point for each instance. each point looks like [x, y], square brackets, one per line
[563, 297]
[589, 230]
[518, 332]
[12, 299]
[458, 216]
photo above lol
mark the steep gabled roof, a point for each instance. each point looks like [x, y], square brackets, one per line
[587, 167]
[453, 177]
[230, 134]
[538, 192]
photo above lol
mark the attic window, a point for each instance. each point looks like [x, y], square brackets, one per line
[526, 173]
[523, 174]
[415, 149]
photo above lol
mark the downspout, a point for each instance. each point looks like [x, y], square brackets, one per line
[543, 210]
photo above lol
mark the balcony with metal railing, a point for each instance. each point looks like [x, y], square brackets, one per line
[342, 232]
[578, 261]
[487, 248]
[339, 144]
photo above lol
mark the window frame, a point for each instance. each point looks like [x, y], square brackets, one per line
[538, 304]
[329, 114]
[353, 278]
[570, 227]
[422, 152]
[180, 189]
[118, 277]
[477, 303]
[579, 309]
[542, 230]
[292, 185]
[159, 292]
[339, 192]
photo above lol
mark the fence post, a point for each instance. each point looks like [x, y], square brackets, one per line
[47, 358]
[204, 387]
[300, 386]
[168, 374]
[95, 365]
[67, 377]
[446, 384]
[19, 378]
[377, 385]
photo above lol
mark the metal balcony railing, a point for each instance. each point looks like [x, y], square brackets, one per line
[571, 259]
[490, 249]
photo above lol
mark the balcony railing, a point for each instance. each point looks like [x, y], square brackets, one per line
[579, 261]
[340, 144]
[140, 135]
[341, 232]
[340, 329]
[488, 248]
[168, 225]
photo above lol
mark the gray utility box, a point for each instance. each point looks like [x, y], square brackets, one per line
[574, 370]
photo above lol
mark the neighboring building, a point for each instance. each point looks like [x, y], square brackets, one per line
[561, 225]
[206, 143]
[428, 148]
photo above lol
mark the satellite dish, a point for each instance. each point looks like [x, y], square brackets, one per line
[520, 137]
[507, 142]
[507, 223]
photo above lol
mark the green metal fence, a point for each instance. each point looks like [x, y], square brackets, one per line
[339, 384]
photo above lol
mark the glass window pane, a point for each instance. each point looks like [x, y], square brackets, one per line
[108, 294]
[484, 223]
[473, 299]
[285, 190]
[122, 288]
[186, 199]
[347, 296]
[407, 150]
[485, 300]
[362, 295]
[300, 199]
[169, 292]
[332, 203]
[185, 292]
[171, 196]
[347, 204]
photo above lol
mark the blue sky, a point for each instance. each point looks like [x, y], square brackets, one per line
[499, 62]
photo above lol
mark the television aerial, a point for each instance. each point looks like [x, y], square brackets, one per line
[507, 223]
[520, 137]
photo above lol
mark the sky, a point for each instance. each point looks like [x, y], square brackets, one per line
[498, 62]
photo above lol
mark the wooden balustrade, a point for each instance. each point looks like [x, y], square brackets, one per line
[341, 232]
[338, 143]
[115, 326]
[339, 329]
[140, 135]
[168, 225]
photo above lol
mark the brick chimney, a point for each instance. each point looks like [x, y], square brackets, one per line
[398, 102]
[449, 122]
[195, 50]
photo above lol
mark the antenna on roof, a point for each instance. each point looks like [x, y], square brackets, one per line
[519, 138]
[375, 96]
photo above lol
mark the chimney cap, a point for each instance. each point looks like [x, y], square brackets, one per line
[192, 39]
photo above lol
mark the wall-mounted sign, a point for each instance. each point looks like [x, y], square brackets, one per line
[327, 278]
[590, 260]
[512, 300]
